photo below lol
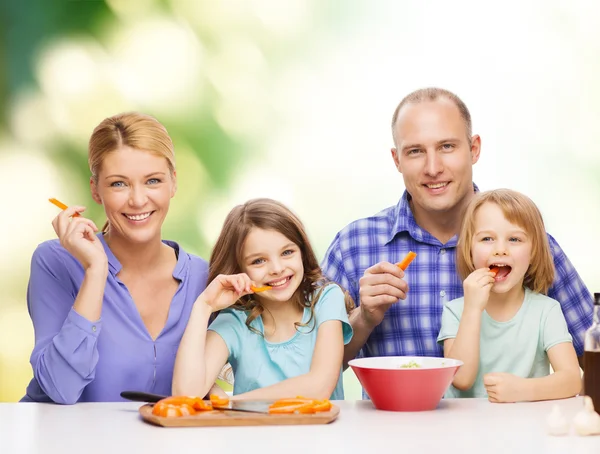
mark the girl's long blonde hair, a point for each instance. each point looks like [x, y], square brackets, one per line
[268, 214]
[520, 210]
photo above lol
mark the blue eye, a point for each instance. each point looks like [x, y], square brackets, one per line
[515, 239]
[257, 261]
[153, 181]
[117, 184]
[288, 252]
[448, 146]
[413, 151]
[486, 238]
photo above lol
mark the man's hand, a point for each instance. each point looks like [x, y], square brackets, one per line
[381, 286]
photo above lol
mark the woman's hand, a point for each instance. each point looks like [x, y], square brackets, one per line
[78, 236]
[225, 290]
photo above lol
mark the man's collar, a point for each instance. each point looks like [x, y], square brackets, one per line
[405, 220]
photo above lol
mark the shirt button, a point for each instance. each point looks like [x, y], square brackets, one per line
[442, 251]
[94, 328]
[443, 293]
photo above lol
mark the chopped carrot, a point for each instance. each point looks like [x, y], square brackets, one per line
[218, 401]
[494, 270]
[406, 260]
[176, 406]
[299, 405]
[260, 289]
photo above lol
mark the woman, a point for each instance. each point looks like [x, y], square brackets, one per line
[109, 309]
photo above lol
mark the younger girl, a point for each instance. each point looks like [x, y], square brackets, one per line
[504, 329]
[281, 342]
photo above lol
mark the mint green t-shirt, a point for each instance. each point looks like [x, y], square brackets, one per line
[257, 363]
[518, 346]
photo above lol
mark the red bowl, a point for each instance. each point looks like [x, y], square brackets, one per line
[393, 386]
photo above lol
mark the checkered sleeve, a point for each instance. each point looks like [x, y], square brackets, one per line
[574, 297]
[333, 268]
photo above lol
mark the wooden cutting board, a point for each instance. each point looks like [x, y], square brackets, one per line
[237, 418]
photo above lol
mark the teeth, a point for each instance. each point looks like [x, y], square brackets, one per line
[436, 186]
[138, 217]
[278, 283]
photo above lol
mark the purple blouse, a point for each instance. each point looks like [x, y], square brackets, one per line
[75, 360]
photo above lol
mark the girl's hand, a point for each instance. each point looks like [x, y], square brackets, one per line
[78, 236]
[225, 290]
[477, 288]
[503, 387]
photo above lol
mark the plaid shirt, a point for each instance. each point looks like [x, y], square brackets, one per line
[411, 327]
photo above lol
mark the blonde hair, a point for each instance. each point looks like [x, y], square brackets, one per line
[520, 210]
[130, 129]
[268, 214]
[433, 94]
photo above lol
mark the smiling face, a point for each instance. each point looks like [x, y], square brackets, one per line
[435, 156]
[499, 243]
[270, 258]
[135, 188]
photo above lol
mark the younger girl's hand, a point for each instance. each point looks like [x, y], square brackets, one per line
[78, 236]
[477, 288]
[225, 290]
[503, 387]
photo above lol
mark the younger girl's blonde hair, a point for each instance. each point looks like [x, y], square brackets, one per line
[520, 210]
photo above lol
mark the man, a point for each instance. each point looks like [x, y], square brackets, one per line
[398, 313]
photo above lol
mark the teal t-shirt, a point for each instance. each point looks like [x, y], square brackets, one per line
[518, 346]
[257, 363]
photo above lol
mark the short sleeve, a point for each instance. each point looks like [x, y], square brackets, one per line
[230, 325]
[331, 306]
[450, 320]
[555, 330]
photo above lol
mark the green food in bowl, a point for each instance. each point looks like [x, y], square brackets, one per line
[410, 365]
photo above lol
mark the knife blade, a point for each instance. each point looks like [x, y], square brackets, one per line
[250, 406]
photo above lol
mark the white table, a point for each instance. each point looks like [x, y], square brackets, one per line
[458, 425]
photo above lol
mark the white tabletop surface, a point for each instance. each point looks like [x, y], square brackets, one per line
[457, 425]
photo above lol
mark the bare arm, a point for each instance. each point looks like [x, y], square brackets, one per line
[321, 380]
[465, 347]
[201, 356]
[195, 371]
[564, 382]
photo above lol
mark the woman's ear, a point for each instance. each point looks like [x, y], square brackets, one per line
[94, 191]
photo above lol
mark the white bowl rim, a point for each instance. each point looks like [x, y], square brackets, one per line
[393, 362]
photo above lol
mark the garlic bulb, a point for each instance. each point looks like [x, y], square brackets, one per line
[587, 421]
[557, 424]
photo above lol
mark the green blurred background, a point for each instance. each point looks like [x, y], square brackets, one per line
[289, 99]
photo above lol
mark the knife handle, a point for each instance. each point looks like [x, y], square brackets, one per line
[139, 396]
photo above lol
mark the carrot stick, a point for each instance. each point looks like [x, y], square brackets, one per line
[494, 270]
[406, 260]
[260, 289]
[61, 205]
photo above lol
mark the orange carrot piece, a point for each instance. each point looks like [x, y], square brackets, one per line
[406, 260]
[260, 289]
[218, 401]
[61, 205]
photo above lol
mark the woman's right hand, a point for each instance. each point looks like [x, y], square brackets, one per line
[477, 288]
[78, 236]
[225, 290]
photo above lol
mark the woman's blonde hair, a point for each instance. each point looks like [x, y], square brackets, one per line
[130, 129]
[268, 214]
[520, 210]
